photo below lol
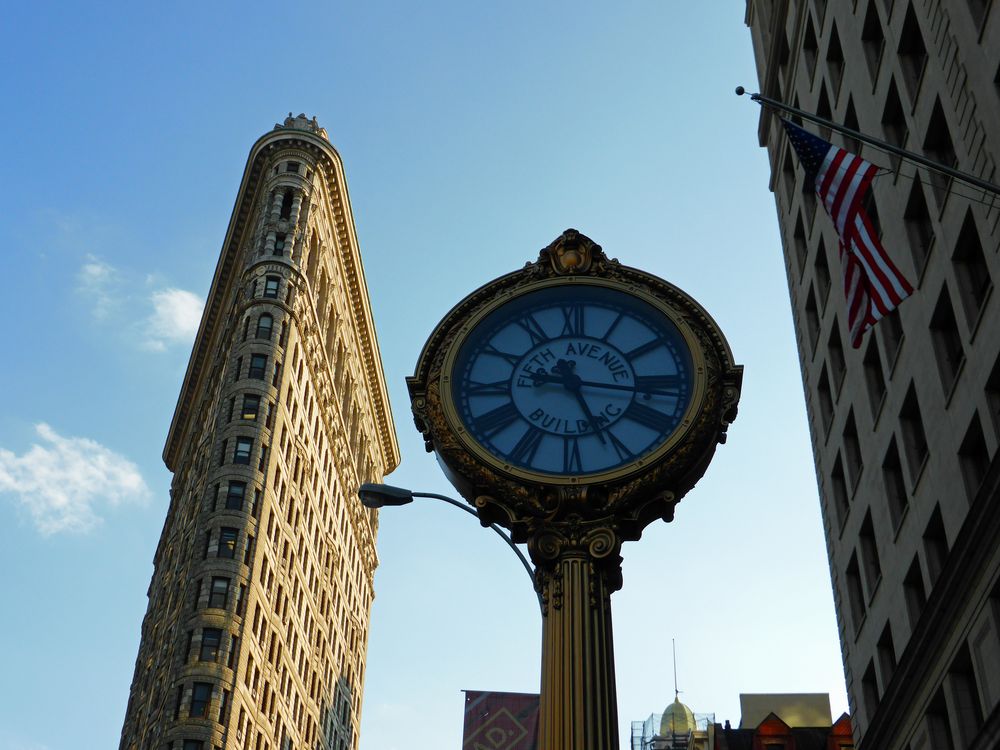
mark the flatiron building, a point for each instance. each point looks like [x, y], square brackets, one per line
[257, 622]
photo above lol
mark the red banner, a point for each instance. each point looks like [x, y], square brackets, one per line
[500, 721]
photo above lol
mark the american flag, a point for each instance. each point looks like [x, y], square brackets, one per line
[873, 285]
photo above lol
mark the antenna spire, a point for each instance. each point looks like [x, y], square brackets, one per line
[673, 644]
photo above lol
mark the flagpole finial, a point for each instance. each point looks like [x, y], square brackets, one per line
[740, 91]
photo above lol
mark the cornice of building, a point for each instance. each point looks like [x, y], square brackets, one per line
[314, 141]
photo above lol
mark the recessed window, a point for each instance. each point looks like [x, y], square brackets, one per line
[219, 596]
[271, 287]
[193, 744]
[939, 147]
[938, 723]
[891, 329]
[869, 555]
[912, 52]
[822, 269]
[974, 457]
[812, 319]
[279, 243]
[210, 640]
[838, 366]
[201, 693]
[293, 166]
[894, 122]
[965, 694]
[238, 369]
[913, 593]
[835, 62]
[286, 206]
[810, 48]
[914, 438]
[825, 401]
[241, 452]
[874, 378]
[973, 274]
[895, 488]
[947, 341]
[869, 688]
[258, 366]
[852, 450]
[227, 542]
[823, 110]
[788, 175]
[800, 244]
[251, 406]
[265, 323]
[919, 228]
[851, 143]
[235, 495]
[935, 545]
[886, 652]
[873, 40]
[840, 497]
[234, 650]
[855, 594]
[276, 380]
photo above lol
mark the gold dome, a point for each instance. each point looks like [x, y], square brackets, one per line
[677, 719]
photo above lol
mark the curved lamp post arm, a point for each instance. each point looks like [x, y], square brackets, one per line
[503, 535]
[380, 495]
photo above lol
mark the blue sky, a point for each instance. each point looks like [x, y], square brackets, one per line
[472, 135]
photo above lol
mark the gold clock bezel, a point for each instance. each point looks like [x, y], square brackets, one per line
[619, 473]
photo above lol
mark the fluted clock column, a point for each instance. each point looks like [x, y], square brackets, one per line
[577, 575]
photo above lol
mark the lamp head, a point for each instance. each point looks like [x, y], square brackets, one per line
[379, 495]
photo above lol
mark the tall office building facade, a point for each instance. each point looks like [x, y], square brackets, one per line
[905, 428]
[257, 623]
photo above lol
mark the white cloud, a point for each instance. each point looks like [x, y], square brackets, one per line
[175, 318]
[98, 281]
[62, 482]
[152, 320]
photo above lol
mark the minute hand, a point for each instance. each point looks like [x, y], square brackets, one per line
[540, 377]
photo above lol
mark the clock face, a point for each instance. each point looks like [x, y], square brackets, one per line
[572, 380]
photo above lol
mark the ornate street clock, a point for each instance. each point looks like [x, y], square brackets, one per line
[575, 401]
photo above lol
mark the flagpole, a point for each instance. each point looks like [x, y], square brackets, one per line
[910, 155]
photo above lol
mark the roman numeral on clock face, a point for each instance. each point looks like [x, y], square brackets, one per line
[651, 418]
[535, 331]
[572, 464]
[493, 421]
[624, 454]
[511, 358]
[647, 347]
[498, 388]
[658, 384]
[572, 320]
[524, 451]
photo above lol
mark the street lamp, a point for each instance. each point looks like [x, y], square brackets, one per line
[381, 495]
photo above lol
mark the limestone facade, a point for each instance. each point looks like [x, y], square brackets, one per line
[904, 429]
[257, 624]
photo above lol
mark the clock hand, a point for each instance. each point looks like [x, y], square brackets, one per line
[572, 383]
[544, 377]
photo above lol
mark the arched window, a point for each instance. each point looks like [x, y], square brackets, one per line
[264, 325]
